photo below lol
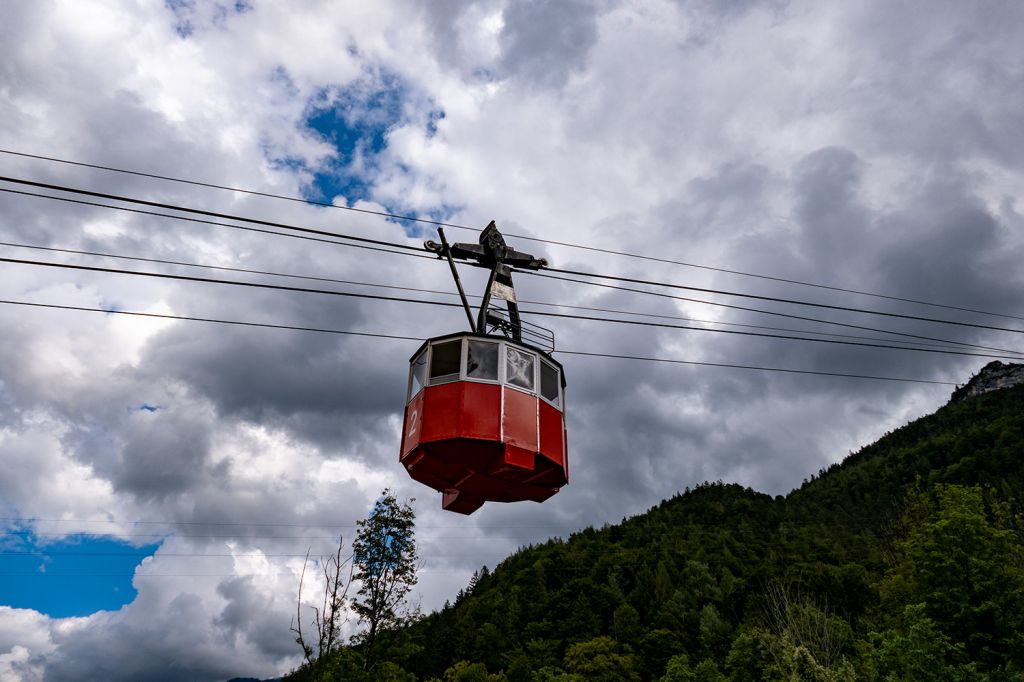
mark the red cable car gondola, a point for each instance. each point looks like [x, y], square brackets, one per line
[484, 415]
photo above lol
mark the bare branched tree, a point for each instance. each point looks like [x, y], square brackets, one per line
[800, 622]
[327, 618]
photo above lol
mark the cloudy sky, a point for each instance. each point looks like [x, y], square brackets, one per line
[872, 146]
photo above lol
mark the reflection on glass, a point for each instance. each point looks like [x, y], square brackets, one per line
[445, 359]
[419, 373]
[482, 360]
[519, 368]
[549, 382]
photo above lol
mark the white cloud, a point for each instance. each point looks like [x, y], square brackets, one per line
[751, 135]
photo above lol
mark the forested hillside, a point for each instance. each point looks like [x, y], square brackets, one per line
[903, 562]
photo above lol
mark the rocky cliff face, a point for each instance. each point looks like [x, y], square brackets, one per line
[993, 376]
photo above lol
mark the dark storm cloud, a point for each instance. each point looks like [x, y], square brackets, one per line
[967, 96]
[711, 18]
[142, 647]
[938, 243]
[730, 196]
[834, 220]
[544, 42]
[252, 614]
[951, 248]
[838, 238]
[163, 455]
[324, 388]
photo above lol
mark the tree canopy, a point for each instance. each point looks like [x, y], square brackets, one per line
[903, 562]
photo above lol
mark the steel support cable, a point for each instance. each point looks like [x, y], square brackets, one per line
[144, 576]
[211, 280]
[141, 555]
[552, 269]
[114, 533]
[378, 297]
[215, 223]
[239, 190]
[190, 318]
[332, 280]
[438, 223]
[567, 279]
[211, 214]
[166, 316]
[225, 268]
[134, 522]
[774, 313]
[243, 524]
[775, 299]
[785, 337]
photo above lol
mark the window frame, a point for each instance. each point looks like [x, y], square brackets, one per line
[557, 402]
[536, 365]
[540, 359]
[458, 375]
[409, 395]
[465, 360]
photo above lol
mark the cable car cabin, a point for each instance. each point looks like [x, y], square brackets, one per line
[484, 421]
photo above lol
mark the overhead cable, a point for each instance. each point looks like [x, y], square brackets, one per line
[398, 299]
[239, 190]
[438, 223]
[138, 555]
[733, 366]
[410, 338]
[774, 313]
[581, 273]
[172, 216]
[773, 299]
[211, 214]
[546, 275]
[161, 261]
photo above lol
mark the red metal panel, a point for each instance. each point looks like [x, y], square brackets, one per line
[479, 442]
[551, 434]
[520, 425]
[442, 411]
[481, 411]
[461, 502]
[412, 424]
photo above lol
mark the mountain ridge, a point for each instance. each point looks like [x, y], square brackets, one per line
[691, 588]
[991, 377]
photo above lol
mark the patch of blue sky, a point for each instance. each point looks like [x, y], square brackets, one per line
[73, 576]
[182, 11]
[187, 14]
[355, 121]
[433, 118]
[418, 229]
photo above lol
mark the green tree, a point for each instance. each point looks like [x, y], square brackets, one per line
[920, 653]
[752, 656]
[965, 572]
[714, 632]
[464, 671]
[678, 670]
[384, 556]
[391, 672]
[626, 623]
[601, 660]
[707, 671]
